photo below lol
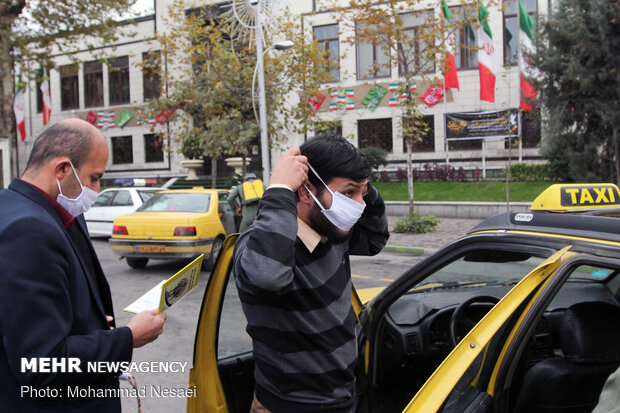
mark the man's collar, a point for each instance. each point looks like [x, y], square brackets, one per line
[63, 214]
[308, 236]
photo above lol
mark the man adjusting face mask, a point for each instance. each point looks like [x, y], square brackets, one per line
[344, 211]
[81, 203]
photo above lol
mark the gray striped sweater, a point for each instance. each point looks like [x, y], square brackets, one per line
[298, 305]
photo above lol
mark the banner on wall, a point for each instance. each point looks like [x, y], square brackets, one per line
[482, 125]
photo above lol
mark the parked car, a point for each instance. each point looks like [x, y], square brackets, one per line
[111, 203]
[181, 223]
[520, 315]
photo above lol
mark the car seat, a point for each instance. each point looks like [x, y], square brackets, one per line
[590, 341]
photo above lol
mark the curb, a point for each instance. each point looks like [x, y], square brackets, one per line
[417, 252]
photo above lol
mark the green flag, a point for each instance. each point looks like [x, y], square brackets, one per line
[374, 96]
[124, 118]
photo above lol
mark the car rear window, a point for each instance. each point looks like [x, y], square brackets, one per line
[146, 195]
[177, 202]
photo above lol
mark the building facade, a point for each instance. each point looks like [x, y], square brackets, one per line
[108, 91]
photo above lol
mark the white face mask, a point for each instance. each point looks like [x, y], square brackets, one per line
[344, 212]
[80, 204]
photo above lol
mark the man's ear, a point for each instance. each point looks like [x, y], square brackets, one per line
[303, 194]
[62, 166]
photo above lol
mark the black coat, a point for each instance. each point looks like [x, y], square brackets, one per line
[49, 307]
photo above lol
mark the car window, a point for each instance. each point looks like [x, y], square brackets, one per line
[122, 198]
[146, 195]
[177, 202]
[104, 198]
[232, 338]
[590, 273]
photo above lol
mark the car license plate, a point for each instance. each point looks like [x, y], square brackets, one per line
[150, 248]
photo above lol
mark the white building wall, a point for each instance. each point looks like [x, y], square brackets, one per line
[464, 100]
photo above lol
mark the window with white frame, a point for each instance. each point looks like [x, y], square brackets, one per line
[93, 84]
[118, 80]
[373, 55]
[69, 87]
[413, 56]
[466, 54]
[122, 149]
[511, 28]
[151, 78]
[327, 39]
[376, 133]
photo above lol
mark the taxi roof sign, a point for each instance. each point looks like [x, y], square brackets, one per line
[577, 197]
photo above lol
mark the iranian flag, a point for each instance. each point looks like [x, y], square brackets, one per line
[487, 56]
[47, 101]
[451, 76]
[19, 110]
[526, 45]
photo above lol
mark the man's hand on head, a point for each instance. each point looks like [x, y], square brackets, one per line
[146, 327]
[291, 170]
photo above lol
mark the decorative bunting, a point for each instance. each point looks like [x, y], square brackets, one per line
[106, 119]
[374, 97]
[91, 117]
[124, 118]
[433, 95]
[316, 101]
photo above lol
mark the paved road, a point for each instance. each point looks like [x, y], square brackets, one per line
[176, 344]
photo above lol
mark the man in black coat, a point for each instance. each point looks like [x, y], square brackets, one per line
[55, 303]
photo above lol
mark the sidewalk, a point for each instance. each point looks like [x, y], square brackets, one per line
[448, 230]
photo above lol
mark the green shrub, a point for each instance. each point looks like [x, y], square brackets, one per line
[416, 224]
[376, 156]
[522, 172]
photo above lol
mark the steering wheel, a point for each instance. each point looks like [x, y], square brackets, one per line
[460, 324]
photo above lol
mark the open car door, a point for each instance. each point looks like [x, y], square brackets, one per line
[460, 383]
[223, 365]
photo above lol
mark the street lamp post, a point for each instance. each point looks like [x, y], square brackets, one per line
[262, 103]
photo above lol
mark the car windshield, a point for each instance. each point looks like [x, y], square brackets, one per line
[483, 267]
[177, 202]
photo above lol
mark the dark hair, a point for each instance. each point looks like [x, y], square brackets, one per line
[60, 139]
[333, 156]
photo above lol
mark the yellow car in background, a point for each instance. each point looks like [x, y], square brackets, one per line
[181, 223]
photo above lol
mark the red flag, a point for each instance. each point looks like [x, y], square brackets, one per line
[528, 94]
[20, 119]
[451, 77]
[316, 101]
[47, 101]
[433, 95]
[91, 117]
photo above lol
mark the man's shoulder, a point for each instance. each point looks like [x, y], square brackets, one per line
[17, 207]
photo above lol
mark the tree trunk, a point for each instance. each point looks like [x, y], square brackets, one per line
[7, 88]
[213, 172]
[410, 177]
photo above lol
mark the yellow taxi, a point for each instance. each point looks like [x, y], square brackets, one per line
[181, 223]
[520, 315]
